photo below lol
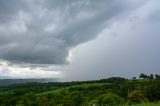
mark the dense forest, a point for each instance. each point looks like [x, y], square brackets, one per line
[114, 91]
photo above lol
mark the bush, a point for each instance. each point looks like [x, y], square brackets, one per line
[110, 99]
[136, 97]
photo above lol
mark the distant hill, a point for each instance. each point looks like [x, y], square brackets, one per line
[5, 82]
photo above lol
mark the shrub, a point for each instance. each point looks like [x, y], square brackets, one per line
[110, 99]
[136, 97]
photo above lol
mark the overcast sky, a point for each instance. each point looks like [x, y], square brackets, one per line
[79, 39]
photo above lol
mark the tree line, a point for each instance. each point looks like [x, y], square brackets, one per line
[151, 76]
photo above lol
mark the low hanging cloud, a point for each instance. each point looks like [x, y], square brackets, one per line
[43, 31]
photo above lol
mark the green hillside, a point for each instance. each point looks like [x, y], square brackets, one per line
[113, 91]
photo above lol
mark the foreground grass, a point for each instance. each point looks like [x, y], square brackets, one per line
[148, 104]
[144, 104]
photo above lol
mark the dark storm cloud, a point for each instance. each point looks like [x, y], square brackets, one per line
[43, 31]
[129, 47]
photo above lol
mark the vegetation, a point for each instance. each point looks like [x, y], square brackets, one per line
[113, 91]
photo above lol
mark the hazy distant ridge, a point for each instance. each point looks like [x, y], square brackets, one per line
[5, 82]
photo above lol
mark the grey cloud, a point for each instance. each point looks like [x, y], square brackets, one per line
[11, 6]
[135, 48]
[43, 31]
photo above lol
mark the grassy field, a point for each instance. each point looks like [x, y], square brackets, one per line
[83, 86]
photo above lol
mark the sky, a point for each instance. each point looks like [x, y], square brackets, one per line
[79, 39]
